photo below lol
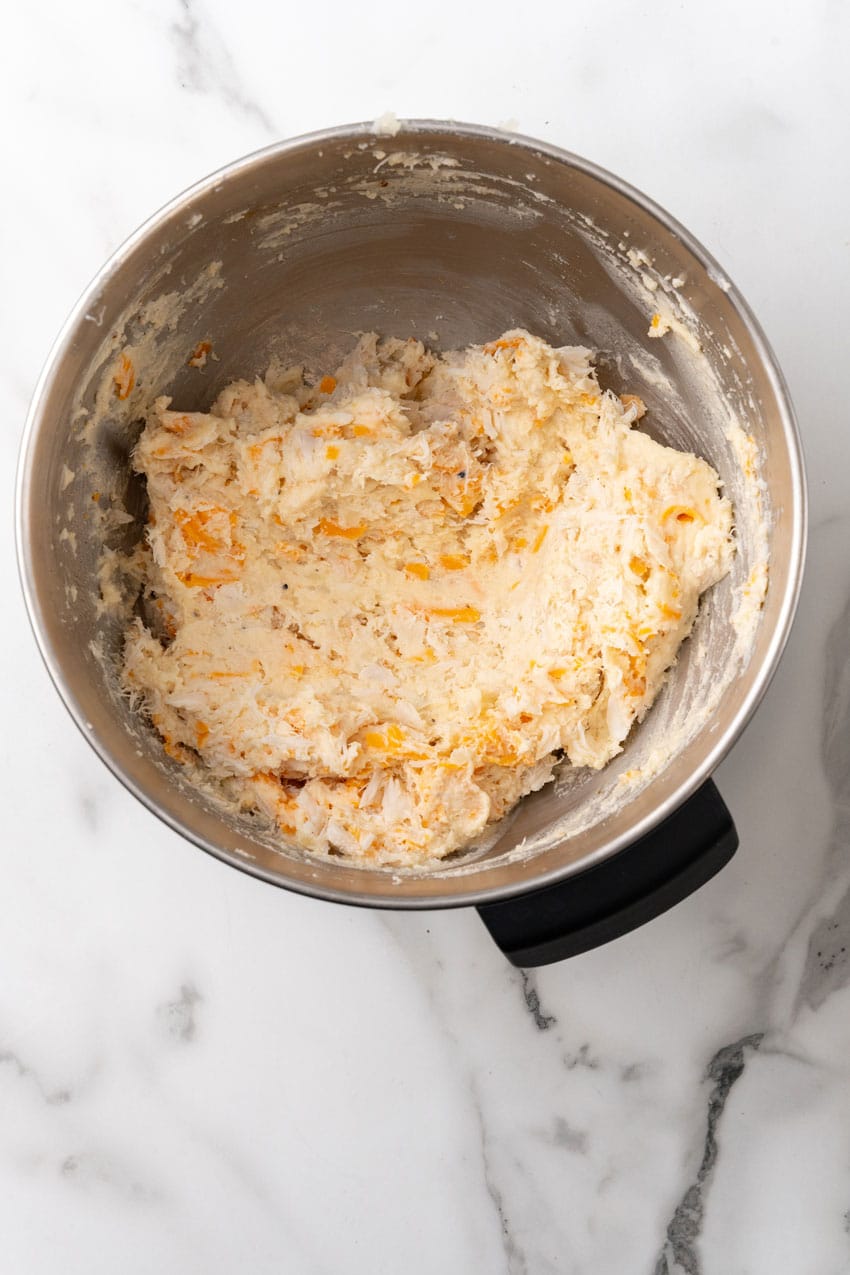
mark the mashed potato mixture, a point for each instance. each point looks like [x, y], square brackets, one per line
[383, 607]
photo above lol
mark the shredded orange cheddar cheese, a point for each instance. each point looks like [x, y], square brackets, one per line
[194, 581]
[329, 528]
[680, 513]
[539, 538]
[462, 615]
[504, 343]
[125, 378]
[199, 355]
[419, 569]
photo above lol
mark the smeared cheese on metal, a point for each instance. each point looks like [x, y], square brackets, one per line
[389, 603]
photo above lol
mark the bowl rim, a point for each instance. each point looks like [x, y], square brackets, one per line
[797, 507]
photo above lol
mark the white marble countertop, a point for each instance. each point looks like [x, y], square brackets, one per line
[199, 1073]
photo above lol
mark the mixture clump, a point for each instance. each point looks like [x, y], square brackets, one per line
[389, 603]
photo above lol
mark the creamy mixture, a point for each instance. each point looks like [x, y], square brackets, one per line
[383, 607]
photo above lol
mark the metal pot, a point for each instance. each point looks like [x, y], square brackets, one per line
[465, 232]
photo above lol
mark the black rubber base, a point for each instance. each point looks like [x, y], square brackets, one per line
[617, 896]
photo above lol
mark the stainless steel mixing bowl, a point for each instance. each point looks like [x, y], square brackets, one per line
[452, 233]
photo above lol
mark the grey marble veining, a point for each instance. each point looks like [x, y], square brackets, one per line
[681, 1245]
[199, 1073]
[205, 64]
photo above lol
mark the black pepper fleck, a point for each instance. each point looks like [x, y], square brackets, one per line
[461, 473]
